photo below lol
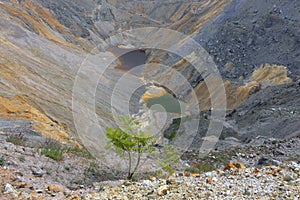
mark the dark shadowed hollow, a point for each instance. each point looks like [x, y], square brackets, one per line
[129, 58]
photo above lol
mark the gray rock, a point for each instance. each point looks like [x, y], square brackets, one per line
[276, 162]
[37, 171]
[263, 161]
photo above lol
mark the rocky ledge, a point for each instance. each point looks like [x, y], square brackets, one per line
[233, 182]
[269, 169]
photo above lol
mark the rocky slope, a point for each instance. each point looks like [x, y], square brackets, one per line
[250, 33]
[53, 52]
[44, 44]
[270, 170]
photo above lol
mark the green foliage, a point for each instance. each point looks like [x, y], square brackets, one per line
[192, 170]
[2, 161]
[55, 154]
[79, 152]
[158, 173]
[53, 150]
[130, 140]
[16, 139]
[172, 136]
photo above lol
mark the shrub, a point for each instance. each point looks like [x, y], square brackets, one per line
[130, 140]
[2, 161]
[53, 150]
[79, 152]
[16, 139]
[55, 154]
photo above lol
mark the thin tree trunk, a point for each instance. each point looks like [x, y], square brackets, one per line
[137, 164]
[129, 166]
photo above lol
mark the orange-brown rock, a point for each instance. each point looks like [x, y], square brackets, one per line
[152, 178]
[240, 165]
[229, 166]
[234, 166]
[195, 175]
[187, 174]
[209, 180]
[18, 108]
[56, 188]
[38, 21]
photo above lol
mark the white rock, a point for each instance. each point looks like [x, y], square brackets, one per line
[146, 183]
[10, 189]
[208, 174]
[276, 162]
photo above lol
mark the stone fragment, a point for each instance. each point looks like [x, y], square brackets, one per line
[37, 171]
[209, 180]
[146, 183]
[195, 175]
[9, 189]
[56, 188]
[229, 166]
[163, 190]
[262, 161]
[186, 174]
[276, 162]
[240, 165]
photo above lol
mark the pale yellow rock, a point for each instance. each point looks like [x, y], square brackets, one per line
[162, 190]
[272, 74]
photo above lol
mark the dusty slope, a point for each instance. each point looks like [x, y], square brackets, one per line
[43, 44]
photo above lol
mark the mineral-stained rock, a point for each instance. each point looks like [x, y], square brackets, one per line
[234, 166]
[52, 54]
[56, 188]
[162, 190]
[240, 165]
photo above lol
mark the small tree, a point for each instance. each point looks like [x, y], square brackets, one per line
[130, 139]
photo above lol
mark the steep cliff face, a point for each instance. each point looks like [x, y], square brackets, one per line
[44, 44]
[33, 66]
[51, 48]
